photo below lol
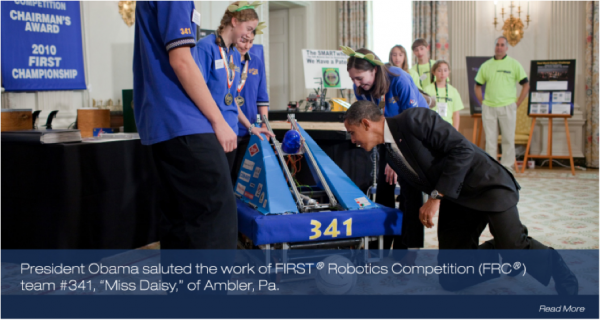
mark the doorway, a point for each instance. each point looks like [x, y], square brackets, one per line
[278, 56]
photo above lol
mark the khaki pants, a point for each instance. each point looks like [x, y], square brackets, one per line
[507, 117]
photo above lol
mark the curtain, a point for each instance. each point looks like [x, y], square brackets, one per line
[591, 85]
[353, 24]
[430, 22]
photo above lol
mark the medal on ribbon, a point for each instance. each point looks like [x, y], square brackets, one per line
[230, 70]
[240, 100]
[228, 99]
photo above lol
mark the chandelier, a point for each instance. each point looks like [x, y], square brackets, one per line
[513, 28]
[127, 11]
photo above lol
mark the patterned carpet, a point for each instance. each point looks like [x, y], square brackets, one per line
[559, 210]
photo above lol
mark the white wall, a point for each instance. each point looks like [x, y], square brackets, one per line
[279, 77]
[109, 50]
[557, 31]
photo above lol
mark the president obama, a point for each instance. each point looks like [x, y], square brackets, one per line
[470, 189]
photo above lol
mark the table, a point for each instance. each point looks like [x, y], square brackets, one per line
[78, 196]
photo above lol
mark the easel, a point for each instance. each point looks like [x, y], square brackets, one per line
[549, 155]
[476, 134]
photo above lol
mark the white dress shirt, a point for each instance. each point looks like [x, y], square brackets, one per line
[389, 138]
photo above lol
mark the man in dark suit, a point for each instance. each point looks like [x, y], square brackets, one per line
[470, 189]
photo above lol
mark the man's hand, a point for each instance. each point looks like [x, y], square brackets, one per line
[519, 103]
[227, 138]
[257, 131]
[390, 175]
[427, 212]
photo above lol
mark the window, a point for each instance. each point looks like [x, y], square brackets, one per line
[392, 25]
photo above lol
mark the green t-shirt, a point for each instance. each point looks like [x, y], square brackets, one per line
[423, 72]
[413, 74]
[500, 78]
[454, 101]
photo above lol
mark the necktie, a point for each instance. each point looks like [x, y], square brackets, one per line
[398, 163]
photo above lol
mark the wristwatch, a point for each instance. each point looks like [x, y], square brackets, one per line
[435, 195]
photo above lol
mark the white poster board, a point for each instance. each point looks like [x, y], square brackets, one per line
[329, 65]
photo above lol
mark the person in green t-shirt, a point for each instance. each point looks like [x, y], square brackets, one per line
[422, 68]
[448, 102]
[500, 75]
[398, 59]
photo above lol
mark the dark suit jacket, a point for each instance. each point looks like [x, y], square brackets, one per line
[446, 161]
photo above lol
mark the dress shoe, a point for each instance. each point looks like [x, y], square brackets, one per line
[565, 282]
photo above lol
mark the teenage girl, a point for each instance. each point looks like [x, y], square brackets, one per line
[398, 59]
[253, 97]
[373, 81]
[448, 102]
[221, 67]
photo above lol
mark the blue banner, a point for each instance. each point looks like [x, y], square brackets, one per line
[294, 284]
[42, 46]
[273, 272]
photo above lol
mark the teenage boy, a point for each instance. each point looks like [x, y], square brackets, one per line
[423, 66]
[178, 118]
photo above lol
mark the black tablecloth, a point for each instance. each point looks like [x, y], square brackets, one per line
[78, 196]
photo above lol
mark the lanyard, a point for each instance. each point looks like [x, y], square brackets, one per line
[244, 77]
[421, 81]
[230, 73]
[436, 91]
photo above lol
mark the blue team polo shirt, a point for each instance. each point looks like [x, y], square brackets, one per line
[254, 91]
[162, 109]
[215, 74]
[403, 94]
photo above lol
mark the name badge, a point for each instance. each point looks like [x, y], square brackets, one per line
[219, 64]
[442, 108]
[423, 77]
[196, 17]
